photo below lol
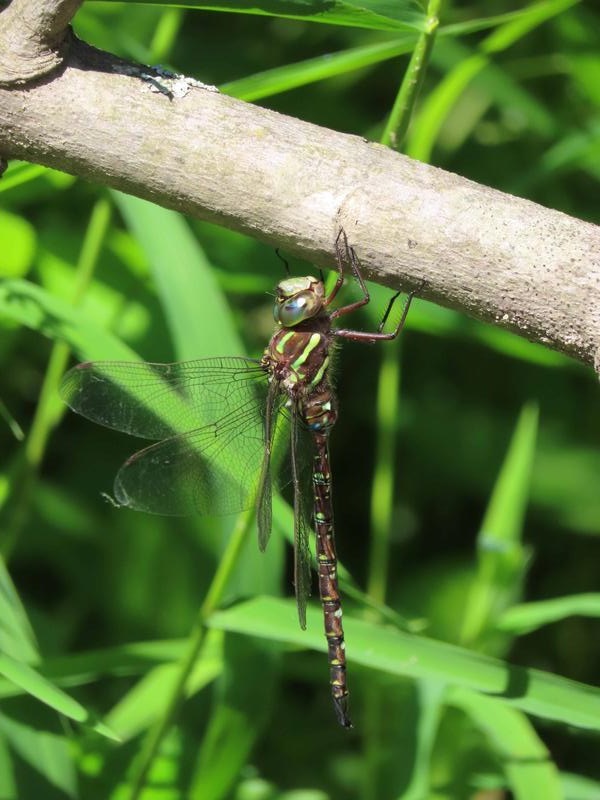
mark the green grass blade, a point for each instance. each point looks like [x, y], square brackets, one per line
[384, 15]
[426, 129]
[501, 556]
[243, 703]
[527, 617]
[525, 759]
[405, 655]
[531, 17]
[146, 701]
[130, 660]
[20, 173]
[466, 27]
[48, 754]
[577, 787]
[37, 309]
[165, 34]
[19, 243]
[37, 686]
[17, 638]
[291, 76]
[430, 697]
[196, 311]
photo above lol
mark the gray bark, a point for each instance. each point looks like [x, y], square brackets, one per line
[178, 143]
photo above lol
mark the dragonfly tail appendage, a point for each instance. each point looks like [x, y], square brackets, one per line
[340, 705]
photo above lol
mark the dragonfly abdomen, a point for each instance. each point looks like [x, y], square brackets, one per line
[319, 410]
[328, 582]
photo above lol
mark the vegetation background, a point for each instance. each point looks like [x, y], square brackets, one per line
[466, 487]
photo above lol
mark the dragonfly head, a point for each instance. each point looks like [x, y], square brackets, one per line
[298, 299]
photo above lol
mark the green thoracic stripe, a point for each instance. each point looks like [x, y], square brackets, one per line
[284, 339]
[312, 343]
[319, 376]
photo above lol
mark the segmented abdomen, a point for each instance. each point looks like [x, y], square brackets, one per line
[328, 582]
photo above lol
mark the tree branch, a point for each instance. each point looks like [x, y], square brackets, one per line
[173, 141]
[34, 38]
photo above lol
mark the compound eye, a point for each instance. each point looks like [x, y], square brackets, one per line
[295, 310]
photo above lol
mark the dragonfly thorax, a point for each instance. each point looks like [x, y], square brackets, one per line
[298, 299]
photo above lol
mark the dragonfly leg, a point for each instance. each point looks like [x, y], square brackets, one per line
[340, 255]
[345, 254]
[283, 261]
[378, 335]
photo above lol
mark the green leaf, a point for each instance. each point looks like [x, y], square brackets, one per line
[527, 617]
[243, 702]
[426, 128]
[18, 239]
[17, 638]
[501, 555]
[502, 524]
[35, 308]
[196, 311]
[291, 76]
[148, 699]
[524, 757]
[20, 173]
[385, 15]
[37, 686]
[405, 655]
[424, 722]
[8, 786]
[130, 659]
[46, 753]
[578, 787]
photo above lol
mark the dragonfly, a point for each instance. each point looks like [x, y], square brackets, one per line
[215, 423]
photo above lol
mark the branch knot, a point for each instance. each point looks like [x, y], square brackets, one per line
[34, 39]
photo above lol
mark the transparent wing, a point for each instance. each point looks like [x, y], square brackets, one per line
[302, 576]
[204, 468]
[265, 493]
[155, 401]
[215, 469]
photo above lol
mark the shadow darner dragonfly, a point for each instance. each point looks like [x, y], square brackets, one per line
[215, 419]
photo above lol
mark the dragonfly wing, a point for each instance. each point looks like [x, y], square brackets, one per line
[156, 401]
[265, 490]
[302, 576]
[212, 470]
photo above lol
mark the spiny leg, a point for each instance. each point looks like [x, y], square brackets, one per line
[346, 254]
[339, 260]
[378, 336]
[283, 261]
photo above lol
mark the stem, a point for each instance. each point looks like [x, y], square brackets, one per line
[402, 110]
[382, 494]
[49, 410]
